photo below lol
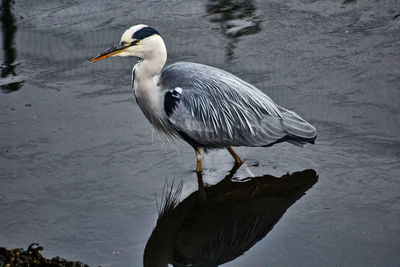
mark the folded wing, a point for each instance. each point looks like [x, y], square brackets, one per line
[213, 108]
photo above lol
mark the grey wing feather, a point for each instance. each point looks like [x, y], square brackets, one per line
[218, 109]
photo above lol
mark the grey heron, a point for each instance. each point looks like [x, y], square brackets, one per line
[205, 106]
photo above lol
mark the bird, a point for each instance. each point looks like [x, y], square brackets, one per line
[228, 223]
[207, 107]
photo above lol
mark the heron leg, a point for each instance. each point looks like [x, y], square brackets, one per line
[199, 154]
[232, 172]
[234, 155]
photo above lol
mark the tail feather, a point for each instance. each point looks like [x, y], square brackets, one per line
[297, 128]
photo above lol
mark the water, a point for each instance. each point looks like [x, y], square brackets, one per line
[81, 170]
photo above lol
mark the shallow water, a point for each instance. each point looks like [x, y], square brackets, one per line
[81, 169]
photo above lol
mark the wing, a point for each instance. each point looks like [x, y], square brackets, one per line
[213, 108]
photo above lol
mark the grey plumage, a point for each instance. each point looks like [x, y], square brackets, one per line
[217, 109]
[205, 106]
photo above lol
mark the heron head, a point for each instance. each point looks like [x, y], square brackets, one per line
[140, 41]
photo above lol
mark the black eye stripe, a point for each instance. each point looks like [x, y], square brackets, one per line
[123, 43]
[143, 33]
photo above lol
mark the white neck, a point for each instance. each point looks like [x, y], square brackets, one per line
[152, 66]
[147, 92]
[154, 55]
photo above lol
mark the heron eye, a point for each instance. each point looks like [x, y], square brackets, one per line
[123, 43]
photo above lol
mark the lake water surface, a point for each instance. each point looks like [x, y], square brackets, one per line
[81, 169]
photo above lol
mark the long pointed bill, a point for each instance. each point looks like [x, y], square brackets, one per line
[116, 49]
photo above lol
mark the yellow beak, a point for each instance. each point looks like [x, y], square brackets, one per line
[116, 49]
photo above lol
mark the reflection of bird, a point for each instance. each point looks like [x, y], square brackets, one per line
[205, 106]
[236, 18]
[235, 216]
[9, 80]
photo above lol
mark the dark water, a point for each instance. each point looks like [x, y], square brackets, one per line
[10, 81]
[81, 170]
